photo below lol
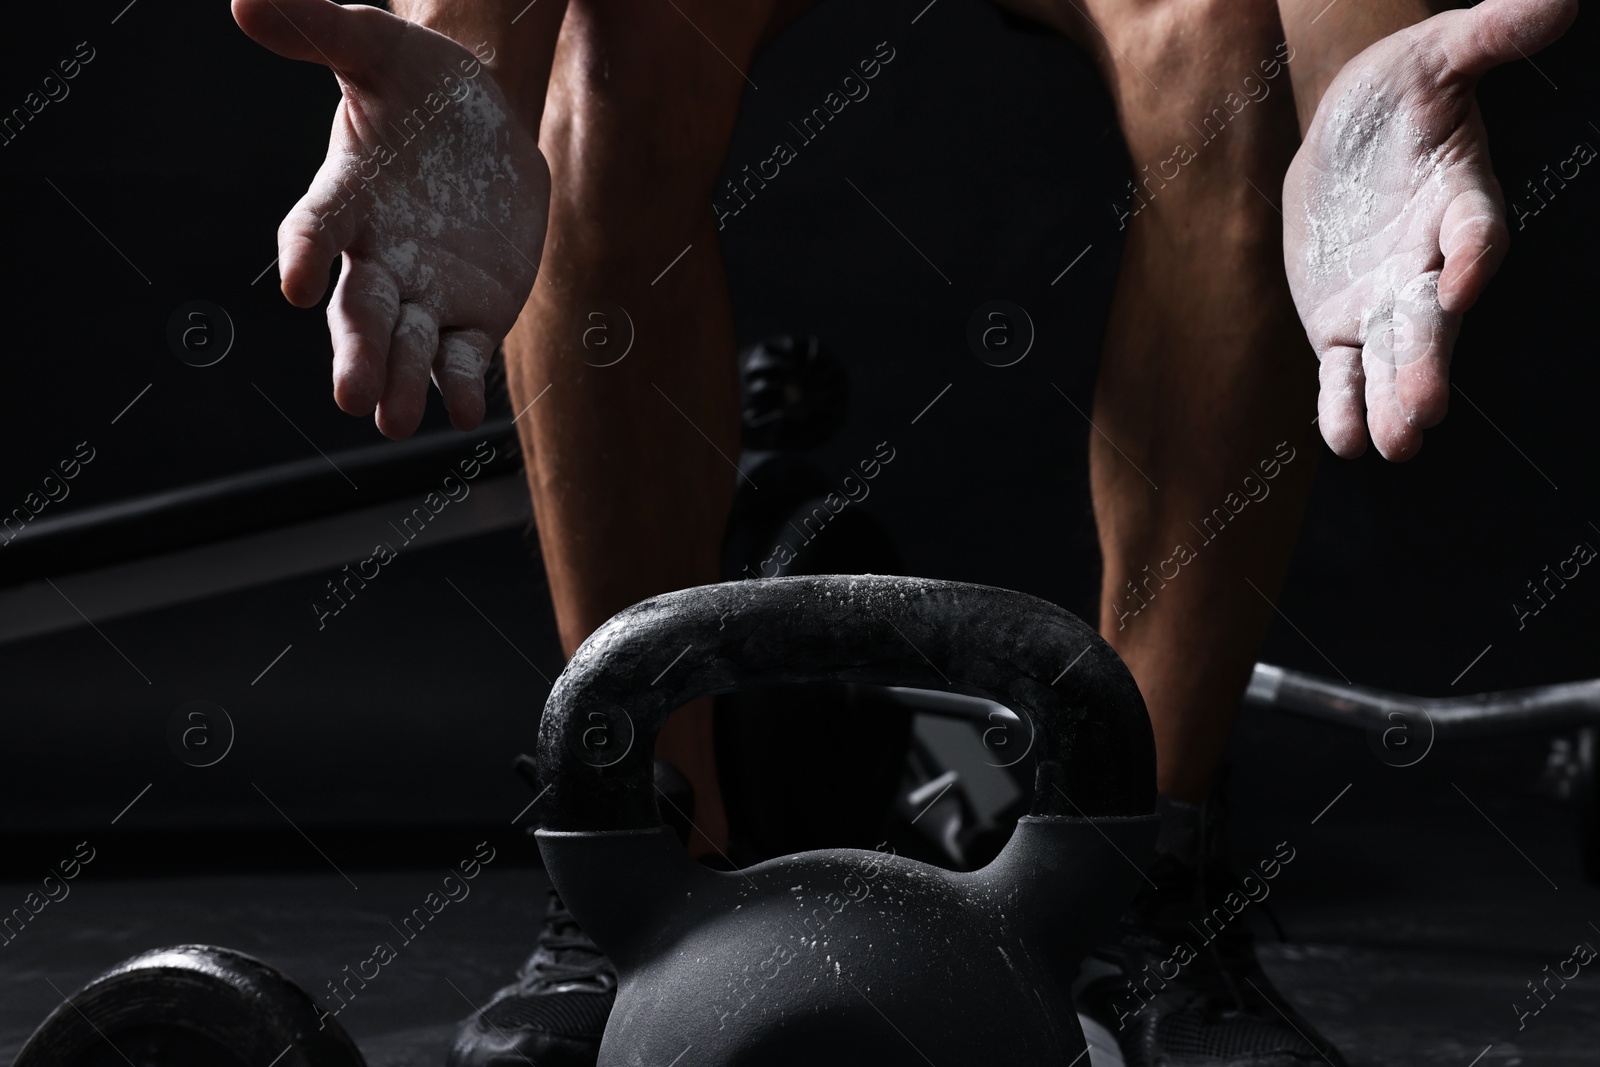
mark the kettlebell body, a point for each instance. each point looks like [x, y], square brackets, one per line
[844, 954]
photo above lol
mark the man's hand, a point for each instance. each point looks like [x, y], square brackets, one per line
[1394, 220]
[433, 193]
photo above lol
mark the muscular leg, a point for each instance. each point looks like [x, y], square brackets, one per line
[1205, 367]
[1203, 372]
[629, 465]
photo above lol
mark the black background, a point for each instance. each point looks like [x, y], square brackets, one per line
[994, 149]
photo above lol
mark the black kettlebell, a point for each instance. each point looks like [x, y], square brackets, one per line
[846, 955]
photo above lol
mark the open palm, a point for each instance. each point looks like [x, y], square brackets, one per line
[1395, 221]
[433, 193]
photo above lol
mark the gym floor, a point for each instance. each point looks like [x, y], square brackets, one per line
[1421, 900]
[1418, 905]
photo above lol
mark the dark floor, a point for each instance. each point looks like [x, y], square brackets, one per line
[1414, 921]
[309, 925]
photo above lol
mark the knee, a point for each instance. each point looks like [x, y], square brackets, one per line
[1206, 105]
[637, 87]
[645, 61]
[1203, 86]
[1194, 49]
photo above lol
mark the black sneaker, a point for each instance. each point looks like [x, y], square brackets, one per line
[1173, 989]
[554, 1013]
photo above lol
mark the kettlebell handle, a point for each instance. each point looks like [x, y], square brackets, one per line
[1078, 706]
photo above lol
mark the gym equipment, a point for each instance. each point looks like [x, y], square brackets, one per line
[967, 778]
[845, 952]
[793, 394]
[247, 502]
[795, 397]
[834, 952]
[190, 1006]
[1403, 728]
[1477, 714]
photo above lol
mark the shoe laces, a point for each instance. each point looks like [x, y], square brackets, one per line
[1165, 914]
[564, 954]
[1209, 872]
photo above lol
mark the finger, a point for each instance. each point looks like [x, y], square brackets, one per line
[1396, 438]
[350, 40]
[319, 227]
[1406, 360]
[1339, 401]
[1499, 31]
[1474, 239]
[1422, 389]
[361, 319]
[405, 387]
[1418, 344]
[458, 372]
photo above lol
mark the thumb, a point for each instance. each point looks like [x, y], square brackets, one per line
[1473, 238]
[1481, 38]
[348, 40]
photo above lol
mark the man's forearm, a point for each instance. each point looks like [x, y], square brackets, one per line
[1324, 36]
[515, 39]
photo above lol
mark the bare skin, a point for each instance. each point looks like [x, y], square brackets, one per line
[1202, 308]
[1403, 222]
[1203, 371]
[631, 463]
[578, 450]
[432, 194]
[628, 486]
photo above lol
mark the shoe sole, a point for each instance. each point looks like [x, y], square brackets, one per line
[1103, 1050]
